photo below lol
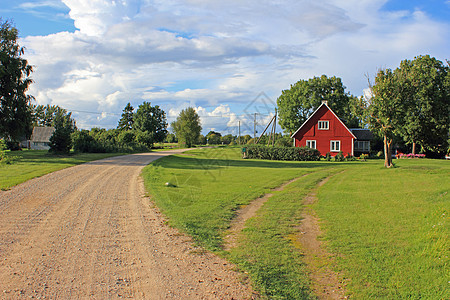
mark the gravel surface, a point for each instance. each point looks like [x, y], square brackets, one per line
[89, 232]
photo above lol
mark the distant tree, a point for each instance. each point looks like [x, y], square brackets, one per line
[126, 122]
[213, 138]
[426, 98]
[15, 113]
[305, 96]
[61, 140]
[153, 120]
[227, 139]
[201, 139]
[84, 142]
[187, 127]
[245, 139]
[171, 138]
[45, 115]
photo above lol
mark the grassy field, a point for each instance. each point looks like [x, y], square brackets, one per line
[390, 228]
[211, 184]
[35, 163]
[387, 228]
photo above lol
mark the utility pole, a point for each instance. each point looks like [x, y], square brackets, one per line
[254, 129]
[274, 127]
[239, 126]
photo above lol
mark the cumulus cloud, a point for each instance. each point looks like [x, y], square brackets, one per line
[216, 55]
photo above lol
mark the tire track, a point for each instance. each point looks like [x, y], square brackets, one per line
[325, 282]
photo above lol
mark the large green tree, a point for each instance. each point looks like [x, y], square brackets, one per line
[153, 120]
[61, 140]
[15, 113]
[126, 122]
[426, 100]
[187, 127]
[45, 115]
[296, 104]
[385, 110]
[410, 102]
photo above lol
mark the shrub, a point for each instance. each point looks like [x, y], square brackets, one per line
[5, 159]
[283, 153]
[83, 142]
[2, 150]
[350, 157]
[339, 157]
[328, 156]
[13, 146]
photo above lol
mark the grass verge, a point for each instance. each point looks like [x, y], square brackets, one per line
[35, 163]
[389, 229]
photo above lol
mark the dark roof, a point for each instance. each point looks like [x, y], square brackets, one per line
[362, 134]
[42, 134]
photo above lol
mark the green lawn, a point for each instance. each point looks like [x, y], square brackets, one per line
[35, 163]
[211, 184]
[266, 250]
[387, 227]
[390, 228]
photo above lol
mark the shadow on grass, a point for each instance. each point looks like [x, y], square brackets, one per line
[186, 162]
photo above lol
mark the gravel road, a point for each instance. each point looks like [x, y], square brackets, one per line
[88, 232]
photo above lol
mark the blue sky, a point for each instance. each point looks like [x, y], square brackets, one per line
[228, 59]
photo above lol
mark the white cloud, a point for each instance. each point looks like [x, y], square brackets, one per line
[217, 55]
[39, 4]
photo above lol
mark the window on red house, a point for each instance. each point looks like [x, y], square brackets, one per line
[335, 146]
[323, 125]
[311, 144]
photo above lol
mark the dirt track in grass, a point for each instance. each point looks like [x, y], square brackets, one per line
[89, 232]
[325, 282]
[248, 212]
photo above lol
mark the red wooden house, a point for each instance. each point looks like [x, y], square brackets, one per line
[325, 132]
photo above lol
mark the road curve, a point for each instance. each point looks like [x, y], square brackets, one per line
[88, 232]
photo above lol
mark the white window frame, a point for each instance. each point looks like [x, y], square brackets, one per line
[310, 143]
[335, 146]
[323, 125]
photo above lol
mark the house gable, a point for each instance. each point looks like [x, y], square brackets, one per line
[325, 130]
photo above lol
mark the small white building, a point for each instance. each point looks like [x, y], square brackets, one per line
[40, 138]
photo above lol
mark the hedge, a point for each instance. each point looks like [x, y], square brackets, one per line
[282, 153]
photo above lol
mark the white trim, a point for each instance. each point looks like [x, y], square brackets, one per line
[311, 142]
[353, 147]
[336, 142]
[293, 135]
